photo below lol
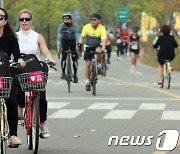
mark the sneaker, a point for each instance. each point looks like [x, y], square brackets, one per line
[63, 76]
[99, 70]
[44, 132]
[88, 87]
[133, 69]
[14, 141]
[75, 79]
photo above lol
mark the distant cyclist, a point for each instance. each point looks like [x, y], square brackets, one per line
[94, 35]
[166, 44]
[67, 38]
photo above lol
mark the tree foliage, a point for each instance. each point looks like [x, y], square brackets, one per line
[47, 14]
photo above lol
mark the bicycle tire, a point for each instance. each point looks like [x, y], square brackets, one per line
[69, 75]
[35, 124]
[27, 122]
[94, 77]
[3, 146]
[3, 142]
[104, 67]
[3, 129]
[168, 80]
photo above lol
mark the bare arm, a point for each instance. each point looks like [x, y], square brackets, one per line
[44, 50]
[103, 41]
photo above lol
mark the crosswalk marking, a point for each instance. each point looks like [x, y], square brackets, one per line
[102, 106]
[112, 112]
[171, 115]
[152, 106]
[66, 113]
[120, 114]
[56, 105]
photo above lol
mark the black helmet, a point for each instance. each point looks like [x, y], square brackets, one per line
[96, 15]
[67, 15]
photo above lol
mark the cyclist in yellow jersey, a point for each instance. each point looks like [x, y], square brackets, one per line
[94, 39]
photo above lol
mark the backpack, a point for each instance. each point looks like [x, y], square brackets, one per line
[33, 64]
[4, 64]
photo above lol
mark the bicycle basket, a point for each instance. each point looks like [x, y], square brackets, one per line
[33, 81]
[5, 86]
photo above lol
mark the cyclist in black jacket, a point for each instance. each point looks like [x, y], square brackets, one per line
[166, 44]
[9, 45]
[68, 37]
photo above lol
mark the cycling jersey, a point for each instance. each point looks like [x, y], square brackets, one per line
[93, 35]
[67, 33]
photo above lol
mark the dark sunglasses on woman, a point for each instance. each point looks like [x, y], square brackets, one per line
[26, 19]
[2, 17]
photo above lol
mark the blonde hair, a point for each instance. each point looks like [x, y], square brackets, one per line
[25, 11]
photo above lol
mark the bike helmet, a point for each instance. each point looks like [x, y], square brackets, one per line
[96, 15]
[67, 15]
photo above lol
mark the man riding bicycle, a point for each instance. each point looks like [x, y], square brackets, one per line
[68, 37]
[94, 35]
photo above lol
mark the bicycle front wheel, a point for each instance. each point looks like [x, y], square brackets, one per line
[94, 78]
[69, 77]
[35, 125]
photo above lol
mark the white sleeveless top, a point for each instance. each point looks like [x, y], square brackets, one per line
[28, 42]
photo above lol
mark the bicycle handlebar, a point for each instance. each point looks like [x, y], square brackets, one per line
[50, 64]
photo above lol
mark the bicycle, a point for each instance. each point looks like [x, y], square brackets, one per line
[5, 88]
[93, 72]
[32, 83]
[167, 71]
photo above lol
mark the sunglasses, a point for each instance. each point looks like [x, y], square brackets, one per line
[2, 17]
[93, 19]
[26, 19]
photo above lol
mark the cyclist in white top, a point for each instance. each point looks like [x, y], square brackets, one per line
[31, 42]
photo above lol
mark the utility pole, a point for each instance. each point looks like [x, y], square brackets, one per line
[2, 3]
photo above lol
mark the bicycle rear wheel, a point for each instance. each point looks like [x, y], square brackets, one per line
[93, 78]
[35, 125]
[168, 80]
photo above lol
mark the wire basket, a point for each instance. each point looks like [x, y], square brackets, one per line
[5, 86]
[26, 85]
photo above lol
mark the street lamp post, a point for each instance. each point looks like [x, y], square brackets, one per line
[2, 3]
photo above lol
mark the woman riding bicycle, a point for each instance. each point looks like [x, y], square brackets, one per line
[166, 43]
[31, 42]
[9, 45]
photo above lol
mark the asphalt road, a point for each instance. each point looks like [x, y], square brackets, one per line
[126, 104]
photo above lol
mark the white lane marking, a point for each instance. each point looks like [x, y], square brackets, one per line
[104, 106]
[120, 114]
[56, 105]
[171, 115]
[113, 98]
[66, 113]
[152, 106]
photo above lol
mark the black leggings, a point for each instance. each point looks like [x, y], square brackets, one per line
[69, 44]
[42, 103]
[12, 112]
